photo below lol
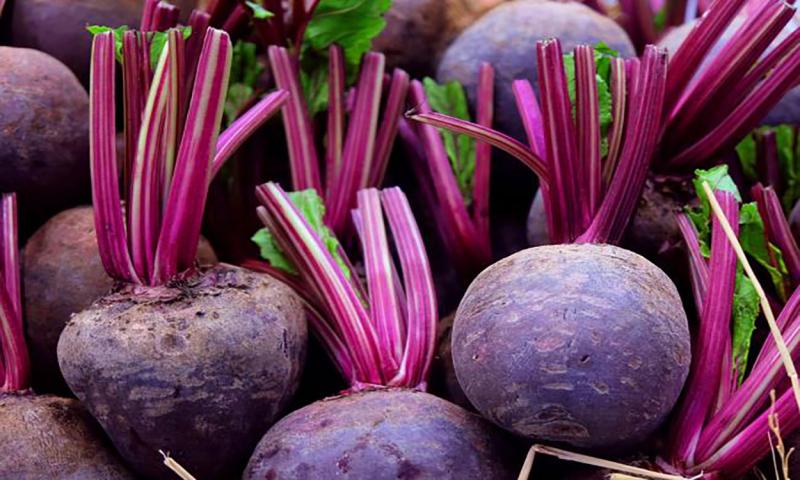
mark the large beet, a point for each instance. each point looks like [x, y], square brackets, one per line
[585, 344]
[44, 133]
[384, 434]
[58, 27]
[188, 368]
[418, 31]
[62, 274]
[788, 109]
[46, 437]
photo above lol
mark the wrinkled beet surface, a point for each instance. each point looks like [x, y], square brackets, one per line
[586, 345]
[382, 435]
[44, 134]
[200, 370]
[58, 27]
[45, 437]
[418, 31]
[62, 274]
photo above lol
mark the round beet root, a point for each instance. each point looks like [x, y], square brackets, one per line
[418, 31]
[586, 345]
[44, 133]
[788, 109]
[383, 434]
[58, 27]
[506, 37]
[653, 231]
[62, 274]
[46, 437]
[200, 369]
[443, 381]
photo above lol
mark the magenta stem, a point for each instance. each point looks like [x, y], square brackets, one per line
[483, 159]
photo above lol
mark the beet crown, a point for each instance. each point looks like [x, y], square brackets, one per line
[14, 364]
[172, 145]
[381, 333]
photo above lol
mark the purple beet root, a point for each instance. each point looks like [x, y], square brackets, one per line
[44, 134]
[550, 336]
[62, 275]
[44, 437]
[200, 367]
[58, 27]
[382, 435]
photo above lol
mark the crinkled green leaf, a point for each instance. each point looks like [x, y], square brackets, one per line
[603, 55]
[118, 33]
[245, 70]
[312, 208]
[718, 179]
[259, 12]
[789, 160]
[746, 308]
[351, 24]
[754, 242]
[660, 18]
[271, 252]
[159, 39]
[315, 87]
[450, 99]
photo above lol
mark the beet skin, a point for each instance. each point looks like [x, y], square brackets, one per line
[62, 274]
[46, 437]
[44, 134]
[58, 27]
[383, 435]
[200, 369]
[586, 345]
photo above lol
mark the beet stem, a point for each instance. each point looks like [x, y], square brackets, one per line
[336, 122]
[15, 365]
[483, 159]
[388, 127]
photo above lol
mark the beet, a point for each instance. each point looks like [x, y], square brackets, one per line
[383, 434]
[506, 37]
[788, 109]
[46, 437]
[188, 367]
[653, 231]
[583, 344]
[62, 274]
[418, 31]
[44, 134]
[58, 27]
[443, 381]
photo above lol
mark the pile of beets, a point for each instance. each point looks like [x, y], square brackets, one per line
[399, 239]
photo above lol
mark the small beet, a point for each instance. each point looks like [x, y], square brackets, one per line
[383, 434]
[188, 367]
[418, 31]
[62, 275]
[44, 134]
[46, 437]
[586, 345]
[58, 27]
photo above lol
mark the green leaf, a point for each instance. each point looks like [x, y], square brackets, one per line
[245, 70]
[754, 242]
[351, 24]
[603, 55]
[271, 252]
[788, 159]
[315, 87]
[450, 99]
[259, 12]
[159, 39]
[746, 150]
[718, 179]
[118, 33]
[746, 308]
[312, 208]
